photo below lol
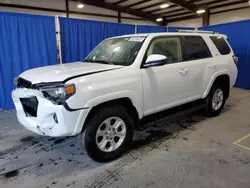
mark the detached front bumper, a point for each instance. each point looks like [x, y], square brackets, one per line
[50, 120]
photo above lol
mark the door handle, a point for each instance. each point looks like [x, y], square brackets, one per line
[212, 66]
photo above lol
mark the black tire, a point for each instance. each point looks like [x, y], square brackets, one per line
[89, 136]
[210, 111]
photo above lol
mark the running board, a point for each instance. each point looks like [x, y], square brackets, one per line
[173, 114]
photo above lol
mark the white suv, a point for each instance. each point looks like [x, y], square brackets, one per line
[121, 81]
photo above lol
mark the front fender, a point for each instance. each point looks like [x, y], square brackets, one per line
[211, 82]
[117, 95]
[105, 98]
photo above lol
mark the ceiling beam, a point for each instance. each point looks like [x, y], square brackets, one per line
[154, 5]
[186, 4]
[211, 2]
[138, 3]
[169, 8]
[213, 7]
[63, 11]
[232, 9]
[169, 11]
[159, 9]
[228, 4]
[120, 2]
[118, 8]
[203, 5]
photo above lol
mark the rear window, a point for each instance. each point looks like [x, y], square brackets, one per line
[196, 48]
[221, 45]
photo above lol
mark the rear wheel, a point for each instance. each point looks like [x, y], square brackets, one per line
[215, 100]
[109, 133]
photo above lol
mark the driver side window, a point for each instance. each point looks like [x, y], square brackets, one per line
[169, 47]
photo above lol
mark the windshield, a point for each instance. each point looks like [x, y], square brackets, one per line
[116, 51]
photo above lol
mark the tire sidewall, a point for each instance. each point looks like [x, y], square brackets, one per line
[92, 126]
[210, 111]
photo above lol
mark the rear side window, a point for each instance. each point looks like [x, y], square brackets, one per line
[221, 45]
[196, 48]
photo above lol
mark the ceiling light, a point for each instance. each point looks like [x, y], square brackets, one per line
[200, 11]
[80, 6]
[159, 19]
[165, 5]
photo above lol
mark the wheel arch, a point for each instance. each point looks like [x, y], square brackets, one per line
[124, 101]
[221, 78]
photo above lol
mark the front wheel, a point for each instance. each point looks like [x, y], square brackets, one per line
[215, 100]
[109, 133]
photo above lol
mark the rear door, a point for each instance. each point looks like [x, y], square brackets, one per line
[224, 56]
[198, 60]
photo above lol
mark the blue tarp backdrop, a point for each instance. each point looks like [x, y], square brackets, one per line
[239, 37]
[29, 41]
[26, 41]
[79, 37]
[174, 29]
[150, 29]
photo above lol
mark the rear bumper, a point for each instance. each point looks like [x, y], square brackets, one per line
[67, 123]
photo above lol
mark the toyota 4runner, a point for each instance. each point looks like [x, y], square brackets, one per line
[121, 81]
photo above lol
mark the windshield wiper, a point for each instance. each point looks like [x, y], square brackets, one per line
[104, 62]
[87, 60]
[98, 61]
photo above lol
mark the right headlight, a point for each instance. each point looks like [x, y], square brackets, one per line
[59, 95]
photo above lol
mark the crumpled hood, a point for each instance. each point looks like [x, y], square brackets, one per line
[61, 72]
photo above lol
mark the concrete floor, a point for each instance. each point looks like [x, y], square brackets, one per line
[195, 152]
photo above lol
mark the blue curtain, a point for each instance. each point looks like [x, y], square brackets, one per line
[174, 29]
[239, 38]
[79, 37]
[150, 29]
[26, 41]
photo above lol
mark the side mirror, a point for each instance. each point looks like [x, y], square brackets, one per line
[155, 60]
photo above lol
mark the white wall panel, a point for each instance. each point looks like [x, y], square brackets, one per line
[28, 11]
[137, 22]
[129, 15]
[231, 16]
[87, 17]
[55, 4]
[197, 22]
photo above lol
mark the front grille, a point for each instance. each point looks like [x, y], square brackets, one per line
[22, 83]
[30, 106]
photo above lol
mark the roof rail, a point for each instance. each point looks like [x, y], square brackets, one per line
[195, 31]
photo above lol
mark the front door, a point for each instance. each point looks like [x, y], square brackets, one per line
[165, 86]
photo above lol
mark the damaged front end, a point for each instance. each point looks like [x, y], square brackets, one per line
[56, 92]
[41, 107]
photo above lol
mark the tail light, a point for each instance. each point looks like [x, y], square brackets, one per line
[236, 59]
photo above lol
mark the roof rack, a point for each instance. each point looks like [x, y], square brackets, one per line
[195, 31]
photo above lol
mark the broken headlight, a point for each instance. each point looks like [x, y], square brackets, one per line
[59, 95]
